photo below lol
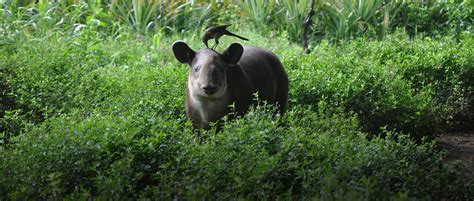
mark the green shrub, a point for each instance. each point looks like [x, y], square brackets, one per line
[307, 153]
[443, 67]
[49, 78]
[102, 117]
[417, 86]
[452, 17]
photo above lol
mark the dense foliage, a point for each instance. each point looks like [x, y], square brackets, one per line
[92, 105]
[334, 20]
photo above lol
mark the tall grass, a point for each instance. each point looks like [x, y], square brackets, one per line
[291, 17]
[140, 14]
[259, 12]
[335, 19]
[346, 18]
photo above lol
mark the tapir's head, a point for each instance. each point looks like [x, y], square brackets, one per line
[207, 68]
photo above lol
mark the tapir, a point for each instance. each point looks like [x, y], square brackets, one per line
[228, 83]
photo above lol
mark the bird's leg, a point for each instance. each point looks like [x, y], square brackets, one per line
[217, 43]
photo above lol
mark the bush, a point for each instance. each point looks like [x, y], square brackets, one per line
[430, 18]
[419, 86]
[95, 121]
[443, 67]
[49, 78]
[311, 154]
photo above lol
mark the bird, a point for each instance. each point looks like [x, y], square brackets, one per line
[216, 32]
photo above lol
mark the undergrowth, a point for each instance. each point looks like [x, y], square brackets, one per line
[89, 116]
[92, 101]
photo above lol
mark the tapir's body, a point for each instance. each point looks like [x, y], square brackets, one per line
[217, 81]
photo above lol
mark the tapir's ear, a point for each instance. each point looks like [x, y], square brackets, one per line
[183, 52]
[233, 53]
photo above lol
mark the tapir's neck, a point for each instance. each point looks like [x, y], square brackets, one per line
[210, 109]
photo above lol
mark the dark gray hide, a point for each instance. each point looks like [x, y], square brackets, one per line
[217, 80]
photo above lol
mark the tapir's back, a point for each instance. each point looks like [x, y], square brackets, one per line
[266, 74]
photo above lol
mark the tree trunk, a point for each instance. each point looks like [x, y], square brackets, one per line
[306, 24]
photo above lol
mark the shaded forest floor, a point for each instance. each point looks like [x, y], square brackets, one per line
[460, 146]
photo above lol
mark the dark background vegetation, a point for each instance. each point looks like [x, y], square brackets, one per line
[92, 101]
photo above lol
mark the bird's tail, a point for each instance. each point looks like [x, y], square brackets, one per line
[232, 34]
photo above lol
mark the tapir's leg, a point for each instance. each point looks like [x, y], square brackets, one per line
[282, 97]
[282, 87]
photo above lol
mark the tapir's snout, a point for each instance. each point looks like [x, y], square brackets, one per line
[209, 89]
[211, 78]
